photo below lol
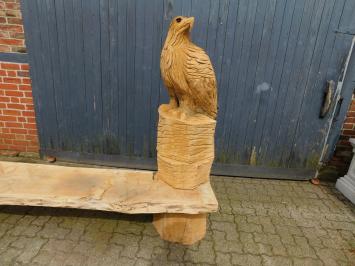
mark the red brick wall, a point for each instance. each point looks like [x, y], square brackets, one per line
[18, 130]
[17, 117]
[343, 151]
[11, 28]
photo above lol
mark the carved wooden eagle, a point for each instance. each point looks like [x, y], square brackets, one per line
[187, 71]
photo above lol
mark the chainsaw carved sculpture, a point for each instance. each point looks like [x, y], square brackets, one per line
[187, 71]
[186, 127]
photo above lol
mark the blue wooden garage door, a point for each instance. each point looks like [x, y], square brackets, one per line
[97, 87]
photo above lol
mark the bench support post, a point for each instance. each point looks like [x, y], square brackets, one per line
[181, 228]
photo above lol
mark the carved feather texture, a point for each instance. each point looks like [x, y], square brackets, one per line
[187, 71]
[201, 79]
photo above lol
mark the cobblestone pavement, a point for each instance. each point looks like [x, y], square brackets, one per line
[260, 222]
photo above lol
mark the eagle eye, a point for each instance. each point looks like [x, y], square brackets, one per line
[178, 20]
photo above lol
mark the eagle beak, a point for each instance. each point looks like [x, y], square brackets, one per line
[190, 21]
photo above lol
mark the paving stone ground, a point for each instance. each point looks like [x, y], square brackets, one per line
[260, 222]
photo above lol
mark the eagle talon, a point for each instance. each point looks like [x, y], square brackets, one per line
[173, 104]
[174, 112]
[182, 115]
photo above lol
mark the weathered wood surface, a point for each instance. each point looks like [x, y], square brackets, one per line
[118, 190]
[185, 147]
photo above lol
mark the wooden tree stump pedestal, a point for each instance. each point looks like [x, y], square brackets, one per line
[183, 228]
[185, 148]
[185, 155]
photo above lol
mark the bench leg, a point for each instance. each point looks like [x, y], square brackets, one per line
[181, 228]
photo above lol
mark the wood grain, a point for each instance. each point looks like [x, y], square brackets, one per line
[185, 148]
[118, 190]
[185, 229]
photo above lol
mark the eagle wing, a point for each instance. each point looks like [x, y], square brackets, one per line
[201, 79]
[166, 60]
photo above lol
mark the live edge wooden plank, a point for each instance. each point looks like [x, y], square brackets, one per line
[118, 190]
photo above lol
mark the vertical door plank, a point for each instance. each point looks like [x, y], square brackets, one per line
[79, 87]
[268, 98]
[231, 122]
[139, 90]
[122, 46]
[32, 33]
[261, 85]
[222, 18]
[251, 101]
[157, 45]
[131, 75]
[242, 77]
[225, 71]
[287, 66]
[92, 50]
[108, 139]
[274, 81]
[45, 63]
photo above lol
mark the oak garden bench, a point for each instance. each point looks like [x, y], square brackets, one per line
[179, 215]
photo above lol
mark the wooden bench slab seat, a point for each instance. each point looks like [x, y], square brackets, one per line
[118, 190]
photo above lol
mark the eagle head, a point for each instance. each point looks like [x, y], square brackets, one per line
[180, 28]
